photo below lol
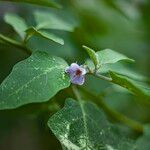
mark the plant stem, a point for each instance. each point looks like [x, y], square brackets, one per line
[114, 114]
[14, 43]
[76, 92]
[102, 77]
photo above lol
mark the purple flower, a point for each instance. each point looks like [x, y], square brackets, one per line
[76, 73]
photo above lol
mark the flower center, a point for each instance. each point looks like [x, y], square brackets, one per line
[78, 72]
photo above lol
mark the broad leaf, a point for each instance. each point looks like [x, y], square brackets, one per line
[17, 23]
[49, 36]
[81, 125]
[93, 55]
[36, 79]
[143, 143]
[47, 20]
[47, 3]
[140, 89]
[109, 56]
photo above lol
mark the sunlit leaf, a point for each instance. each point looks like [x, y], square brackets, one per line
[36, 79]
[81, 125]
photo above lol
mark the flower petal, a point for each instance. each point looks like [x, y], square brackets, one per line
[68, 70]
[78, 80]
[72, 69]
[76, 73]
[74, 66]
[83, 70]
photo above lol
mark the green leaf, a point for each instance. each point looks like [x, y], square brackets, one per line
[105, 58]
[120, 75]
[47, 3]
[36, 79]
[17, 23]
[140, 89]
[49, 36]
[81, 125]
[47, 20]
[109, 56]
[143, 143]
[122, 69]
[93, 55]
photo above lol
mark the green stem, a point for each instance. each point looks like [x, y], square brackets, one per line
[114, 114]
[102, 77]
[76, 92]
[14, 43]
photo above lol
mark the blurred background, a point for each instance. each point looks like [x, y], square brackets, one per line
[121, 25]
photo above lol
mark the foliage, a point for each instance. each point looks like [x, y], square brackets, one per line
[29, 77]
[87, 120]
[75, 127]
